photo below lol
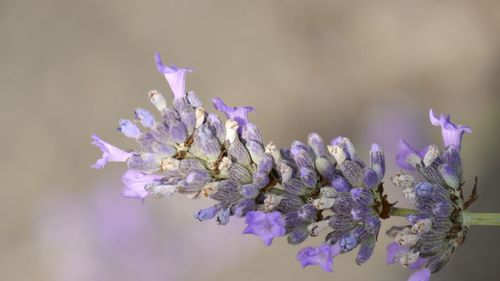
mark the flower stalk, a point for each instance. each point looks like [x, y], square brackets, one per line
[402, 212]
[487, 219]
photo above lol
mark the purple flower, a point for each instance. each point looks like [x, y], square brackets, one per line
[129, 129]
[135, 182]
[395, 251]
[407, 156]
[110, 153]
[322, 256]
[238, 114]
[265, 225]
[452, 134]
[176, 76]
[422, 275]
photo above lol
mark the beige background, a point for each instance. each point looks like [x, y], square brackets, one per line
[369, 70]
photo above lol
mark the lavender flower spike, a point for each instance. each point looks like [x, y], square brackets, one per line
[439, 225]
[265, 225]
[238, 114]
[175, 76]
[452, 133]
[110, 153]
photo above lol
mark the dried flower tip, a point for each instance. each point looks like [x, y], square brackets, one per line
[409, 194]
[200, 116]
[272, 201]
[159, 191]
[403, 180]
[406, 237]
[316, 228]
[408, 258]
[422, 226]
[170, 164]
[224, 165]
[231, 130]
[338, 153]
[323, 203]
[270, 148]
[210, 189]
[157, 99]
[328, 192]
[431, 155]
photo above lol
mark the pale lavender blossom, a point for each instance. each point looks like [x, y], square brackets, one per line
[135, 183]
[322, 256]
[265, 225]
[110, 153]
[176, 76]
[239, 114]
[452, 134]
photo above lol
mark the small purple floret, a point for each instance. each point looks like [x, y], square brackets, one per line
[322, 256]
[452, 133]
[393, 251]
[238, 114]
[110, 153]
[135, 183]
[176, 76]
[265, 225]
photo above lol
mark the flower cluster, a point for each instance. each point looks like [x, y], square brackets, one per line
[298, 192]
[438, 227]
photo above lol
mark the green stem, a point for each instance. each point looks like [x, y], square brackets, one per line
[402, 212]
[492, 219]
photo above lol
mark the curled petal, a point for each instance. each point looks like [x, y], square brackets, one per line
[110, 153]
[238, 114]
[176, 76]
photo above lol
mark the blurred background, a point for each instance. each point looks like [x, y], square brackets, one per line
[369, 70]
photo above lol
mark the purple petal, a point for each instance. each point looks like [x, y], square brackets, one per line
[341, 185]
[238, 114]
[145, 117]
[110, 153]
[322, 256]
[422, 275]
[393, 250]
[175, 76]
[135, 182]
[452, 134]
[407, 157]
[129, 129]
[265, 225]
[418, 263]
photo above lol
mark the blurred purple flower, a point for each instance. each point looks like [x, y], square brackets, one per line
[103, 237]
